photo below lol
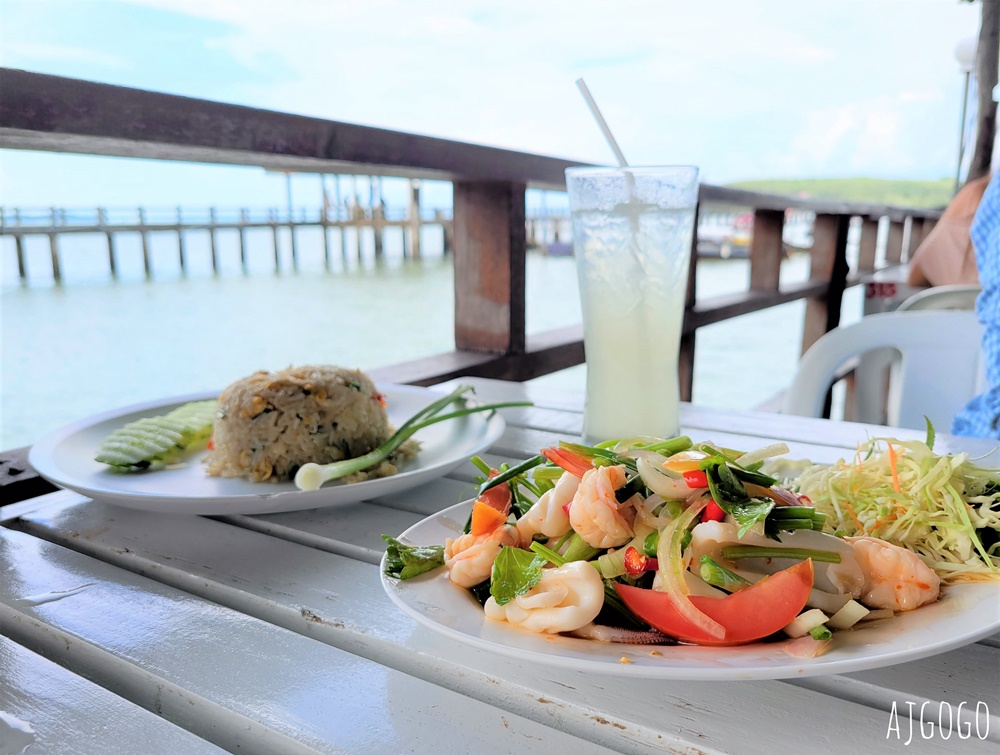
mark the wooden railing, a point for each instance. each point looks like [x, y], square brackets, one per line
[42, 112]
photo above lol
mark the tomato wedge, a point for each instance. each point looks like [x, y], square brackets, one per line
[748, 615]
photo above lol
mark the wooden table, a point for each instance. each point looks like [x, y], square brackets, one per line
[124, 631]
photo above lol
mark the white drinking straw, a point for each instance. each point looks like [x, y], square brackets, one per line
[622, 162]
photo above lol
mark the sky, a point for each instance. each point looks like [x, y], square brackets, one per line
[745, 89]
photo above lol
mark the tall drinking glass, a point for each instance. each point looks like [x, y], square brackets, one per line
[632, 232]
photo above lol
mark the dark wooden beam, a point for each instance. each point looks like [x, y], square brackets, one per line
[52, 113]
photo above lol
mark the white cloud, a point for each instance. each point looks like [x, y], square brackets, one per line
[743, 88]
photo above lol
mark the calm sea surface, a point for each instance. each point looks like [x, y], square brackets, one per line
[93, 344]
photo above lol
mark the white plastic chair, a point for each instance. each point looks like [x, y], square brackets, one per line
[952, 296]
[873, 367]
[940, 367]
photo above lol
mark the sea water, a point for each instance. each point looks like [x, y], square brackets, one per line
[94, 344]
[632, 263]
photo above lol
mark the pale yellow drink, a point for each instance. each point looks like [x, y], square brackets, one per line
[632, 259]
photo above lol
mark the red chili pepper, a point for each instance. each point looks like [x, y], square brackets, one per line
[713, 513]
[804, 499]
[696, 478]
[636, 563]
[211, 444]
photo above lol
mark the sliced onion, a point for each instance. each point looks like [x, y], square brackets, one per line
[752, 457]
[644, 453]
[671, 563]
[661, 484]
[779, 495]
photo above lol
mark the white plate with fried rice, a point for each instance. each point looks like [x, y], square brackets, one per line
[66, 458]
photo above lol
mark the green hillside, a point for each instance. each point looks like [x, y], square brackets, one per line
[871, 190]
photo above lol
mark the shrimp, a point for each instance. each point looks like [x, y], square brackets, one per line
[565, 598]
[895, 578]
[469, 558]
[595, 513]
[547, 515]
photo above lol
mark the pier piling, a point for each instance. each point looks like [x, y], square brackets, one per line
[211, 238]
[244, 219]
[144, 236]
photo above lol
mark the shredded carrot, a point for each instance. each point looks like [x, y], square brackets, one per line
[850, 510]
[882, 521]
[892, 466]
[485, 519]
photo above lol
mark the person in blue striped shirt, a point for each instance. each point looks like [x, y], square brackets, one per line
[980, 418]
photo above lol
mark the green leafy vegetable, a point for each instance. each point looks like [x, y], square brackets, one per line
[514, 573]
[406, 561]
[750, 513]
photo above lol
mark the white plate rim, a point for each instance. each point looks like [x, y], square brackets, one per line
[411, 596]
[269, 498]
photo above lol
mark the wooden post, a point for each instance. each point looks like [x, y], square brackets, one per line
[765, 250]
[448, 230]
[868, 245]
[212, 240]
[894, 243]
[378, 227]
[181, 248]
[915, 237]
[828, 263]
[685, 364]
[291, 236]
[54, 249]
[244, 219]
[489, 266]
[272, 217]
[413, 216]
[325, 225]
[144, 237]
[102, 222]
[22, 271]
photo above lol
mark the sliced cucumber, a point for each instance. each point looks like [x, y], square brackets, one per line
[155, 441]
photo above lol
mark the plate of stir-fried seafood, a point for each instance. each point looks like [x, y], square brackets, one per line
[663, 558]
